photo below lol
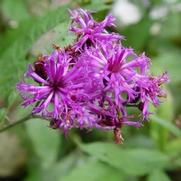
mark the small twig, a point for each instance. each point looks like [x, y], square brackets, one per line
[16, 123]
[131, 105]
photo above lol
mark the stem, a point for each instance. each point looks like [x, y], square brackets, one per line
[16, 123]
[131, 105]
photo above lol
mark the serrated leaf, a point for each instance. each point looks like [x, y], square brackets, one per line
[13, 60]
[131, 161]
[45, 140]
[59, 35]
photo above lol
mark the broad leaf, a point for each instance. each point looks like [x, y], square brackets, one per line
[131, 161]
[170, 62]
[62, 168]
[13, 60]
[93, 170]
[15, 10]
[165, 111]
[45, 140]
[158, 175]
[138, 34]
[166, 124]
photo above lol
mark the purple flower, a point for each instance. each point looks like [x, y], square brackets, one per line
[89, 31]
[117, 67]
[59, 93]
[111, 67]
[92, 83]
[149, 90]
[125, 81]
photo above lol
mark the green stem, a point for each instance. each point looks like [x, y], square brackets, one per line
[16, 123]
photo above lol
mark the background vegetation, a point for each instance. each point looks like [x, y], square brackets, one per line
[31, 151]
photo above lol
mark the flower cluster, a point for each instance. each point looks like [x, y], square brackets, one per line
[91, 83]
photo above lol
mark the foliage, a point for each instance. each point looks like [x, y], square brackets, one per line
[150, 153]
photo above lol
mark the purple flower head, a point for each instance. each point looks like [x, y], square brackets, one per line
[149, 90]
[117, 68]
[59, 92]
[93, 82]
[89, 31]
[125, 81]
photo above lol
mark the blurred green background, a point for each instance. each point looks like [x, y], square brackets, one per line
[31, 151]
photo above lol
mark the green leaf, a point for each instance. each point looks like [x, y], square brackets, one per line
[34, 173]
[62, 168]
[167, 31]
[21, 41]
[170, 62]
[45, 140]
[97, 5]
[18, 43]
[173, 149]
[138, 34]
[131, 161]
[165, 111]
[166, 124]
[15, 10]
[139, 140]
[58, 35]
[93, 170]
[158, 175]
[174, 146]
[2, 114]
[176, 89]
